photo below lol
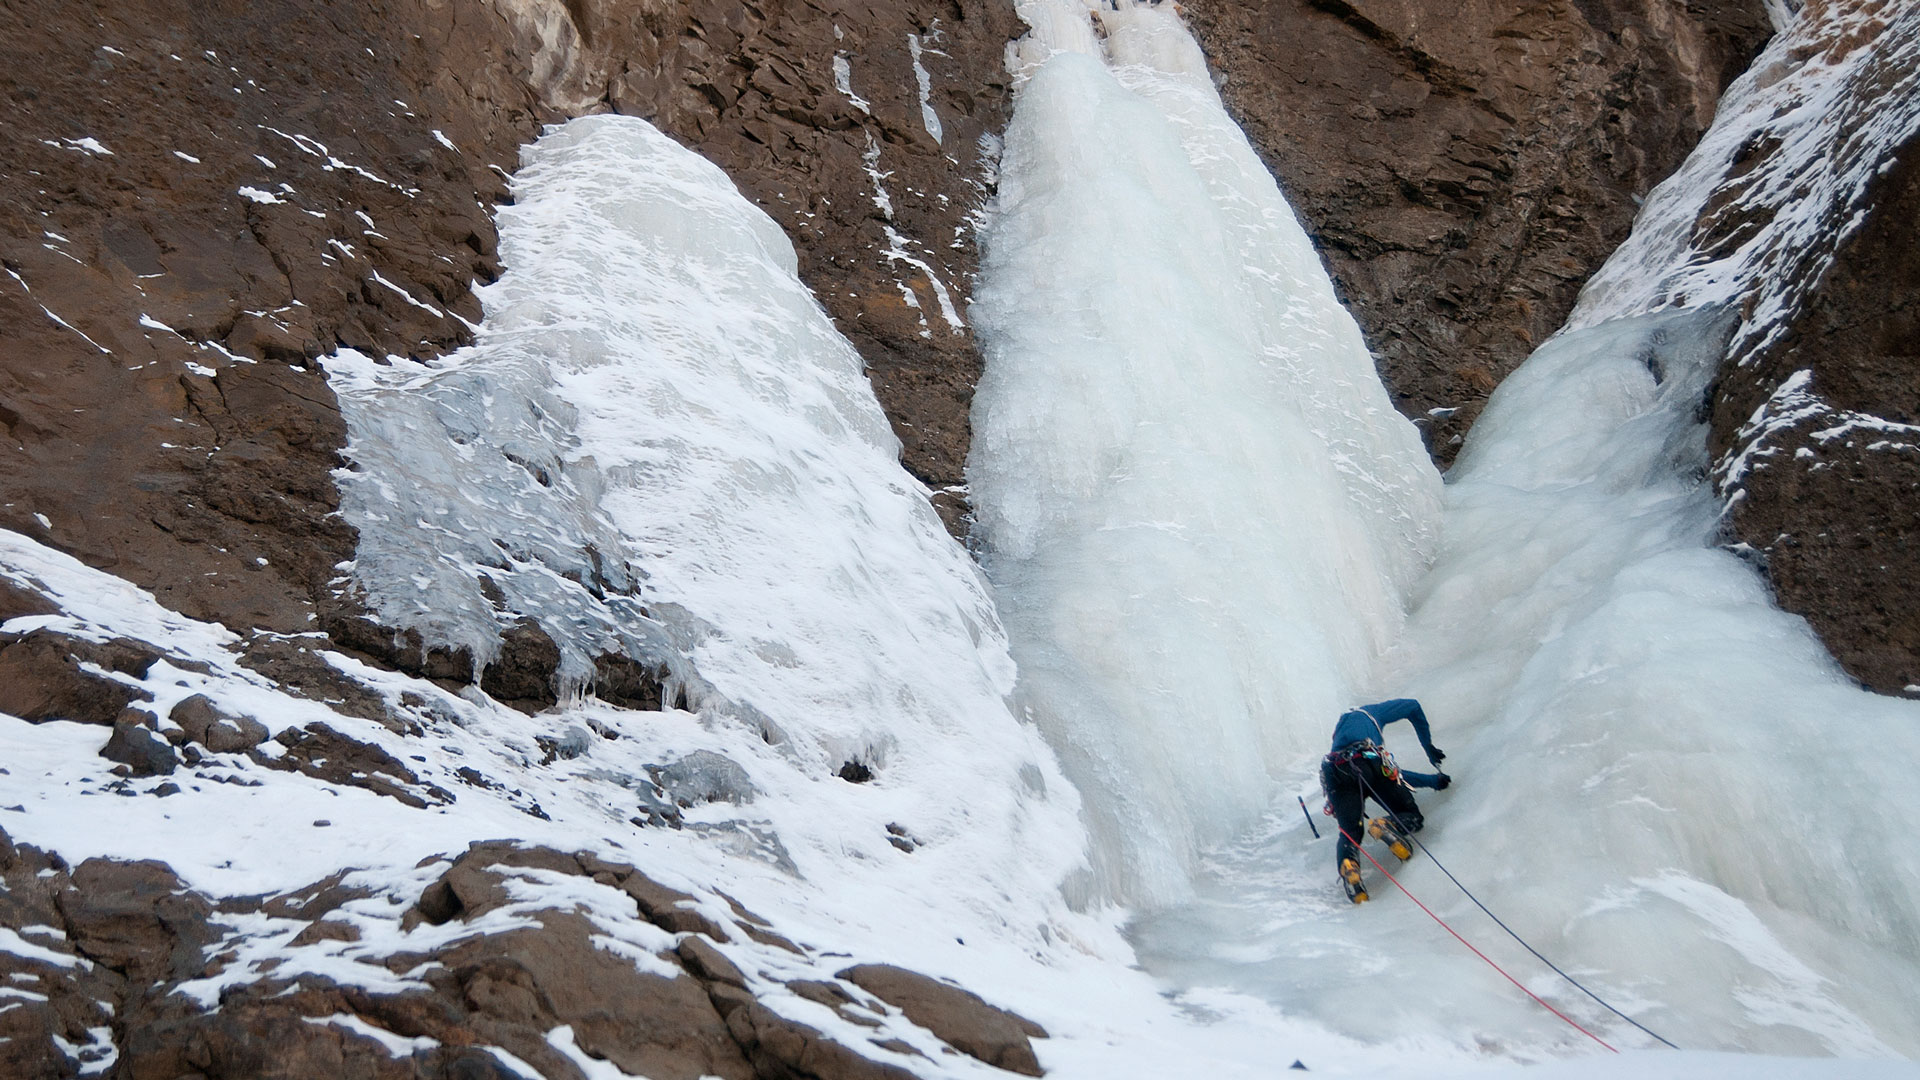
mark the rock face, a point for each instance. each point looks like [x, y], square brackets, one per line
[1840, 525]
[194, 210]
[1816, 426]
[43, 676]
[1796, 216]
[961, 1019]
[1465, 167]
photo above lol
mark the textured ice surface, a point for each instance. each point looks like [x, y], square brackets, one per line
[659, 441]
[1661, 780]
[1198, 507]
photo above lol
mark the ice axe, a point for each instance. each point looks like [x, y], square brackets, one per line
[1303, 809]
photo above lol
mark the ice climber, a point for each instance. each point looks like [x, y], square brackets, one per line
[1360, 768]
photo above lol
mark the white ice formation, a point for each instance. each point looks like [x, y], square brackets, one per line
[1200, 510]
[1661, 780]
[660, 443]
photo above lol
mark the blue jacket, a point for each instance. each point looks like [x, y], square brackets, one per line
[1370, 722]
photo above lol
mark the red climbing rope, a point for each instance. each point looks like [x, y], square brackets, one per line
[1456, 936]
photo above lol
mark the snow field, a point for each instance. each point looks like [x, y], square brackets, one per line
[234, 829]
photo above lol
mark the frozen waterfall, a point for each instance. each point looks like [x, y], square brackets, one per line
[1207, 531]
[1200, 509]
[1203, 522]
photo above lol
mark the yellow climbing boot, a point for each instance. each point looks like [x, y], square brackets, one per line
[1350, 880]
[1384, 831]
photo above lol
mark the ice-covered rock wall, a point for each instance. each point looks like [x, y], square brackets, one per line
[660, 444]
[1763, 204]
[1199, 509]
[1664, 707]
[1801, 209]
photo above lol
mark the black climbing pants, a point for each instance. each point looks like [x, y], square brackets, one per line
[1349, 779]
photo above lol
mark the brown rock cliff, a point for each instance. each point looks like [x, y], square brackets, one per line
[1464, 167]
[1831, 503]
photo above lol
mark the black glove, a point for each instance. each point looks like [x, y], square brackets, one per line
[1442, 782]
[1436, 755]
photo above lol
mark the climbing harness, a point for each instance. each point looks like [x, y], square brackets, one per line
[1502, 925]
[1364, 756]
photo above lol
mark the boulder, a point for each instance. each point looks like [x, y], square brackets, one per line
[779, 1047]
[138, 919]
[42, 678]
[201, 721]
[319, 751]
[136, 746]
[521, 674]
[960, 1018]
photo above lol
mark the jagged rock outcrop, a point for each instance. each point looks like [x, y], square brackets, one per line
[1465, 167]
[1795, 217]
[1815, 427]
[960, 1018]
[1834, 504]
[122, 970]
[44, 676]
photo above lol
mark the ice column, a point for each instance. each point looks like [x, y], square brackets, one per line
[1199, 509]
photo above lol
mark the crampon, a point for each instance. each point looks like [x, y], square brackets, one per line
[1389, 834]
[1350, 880]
